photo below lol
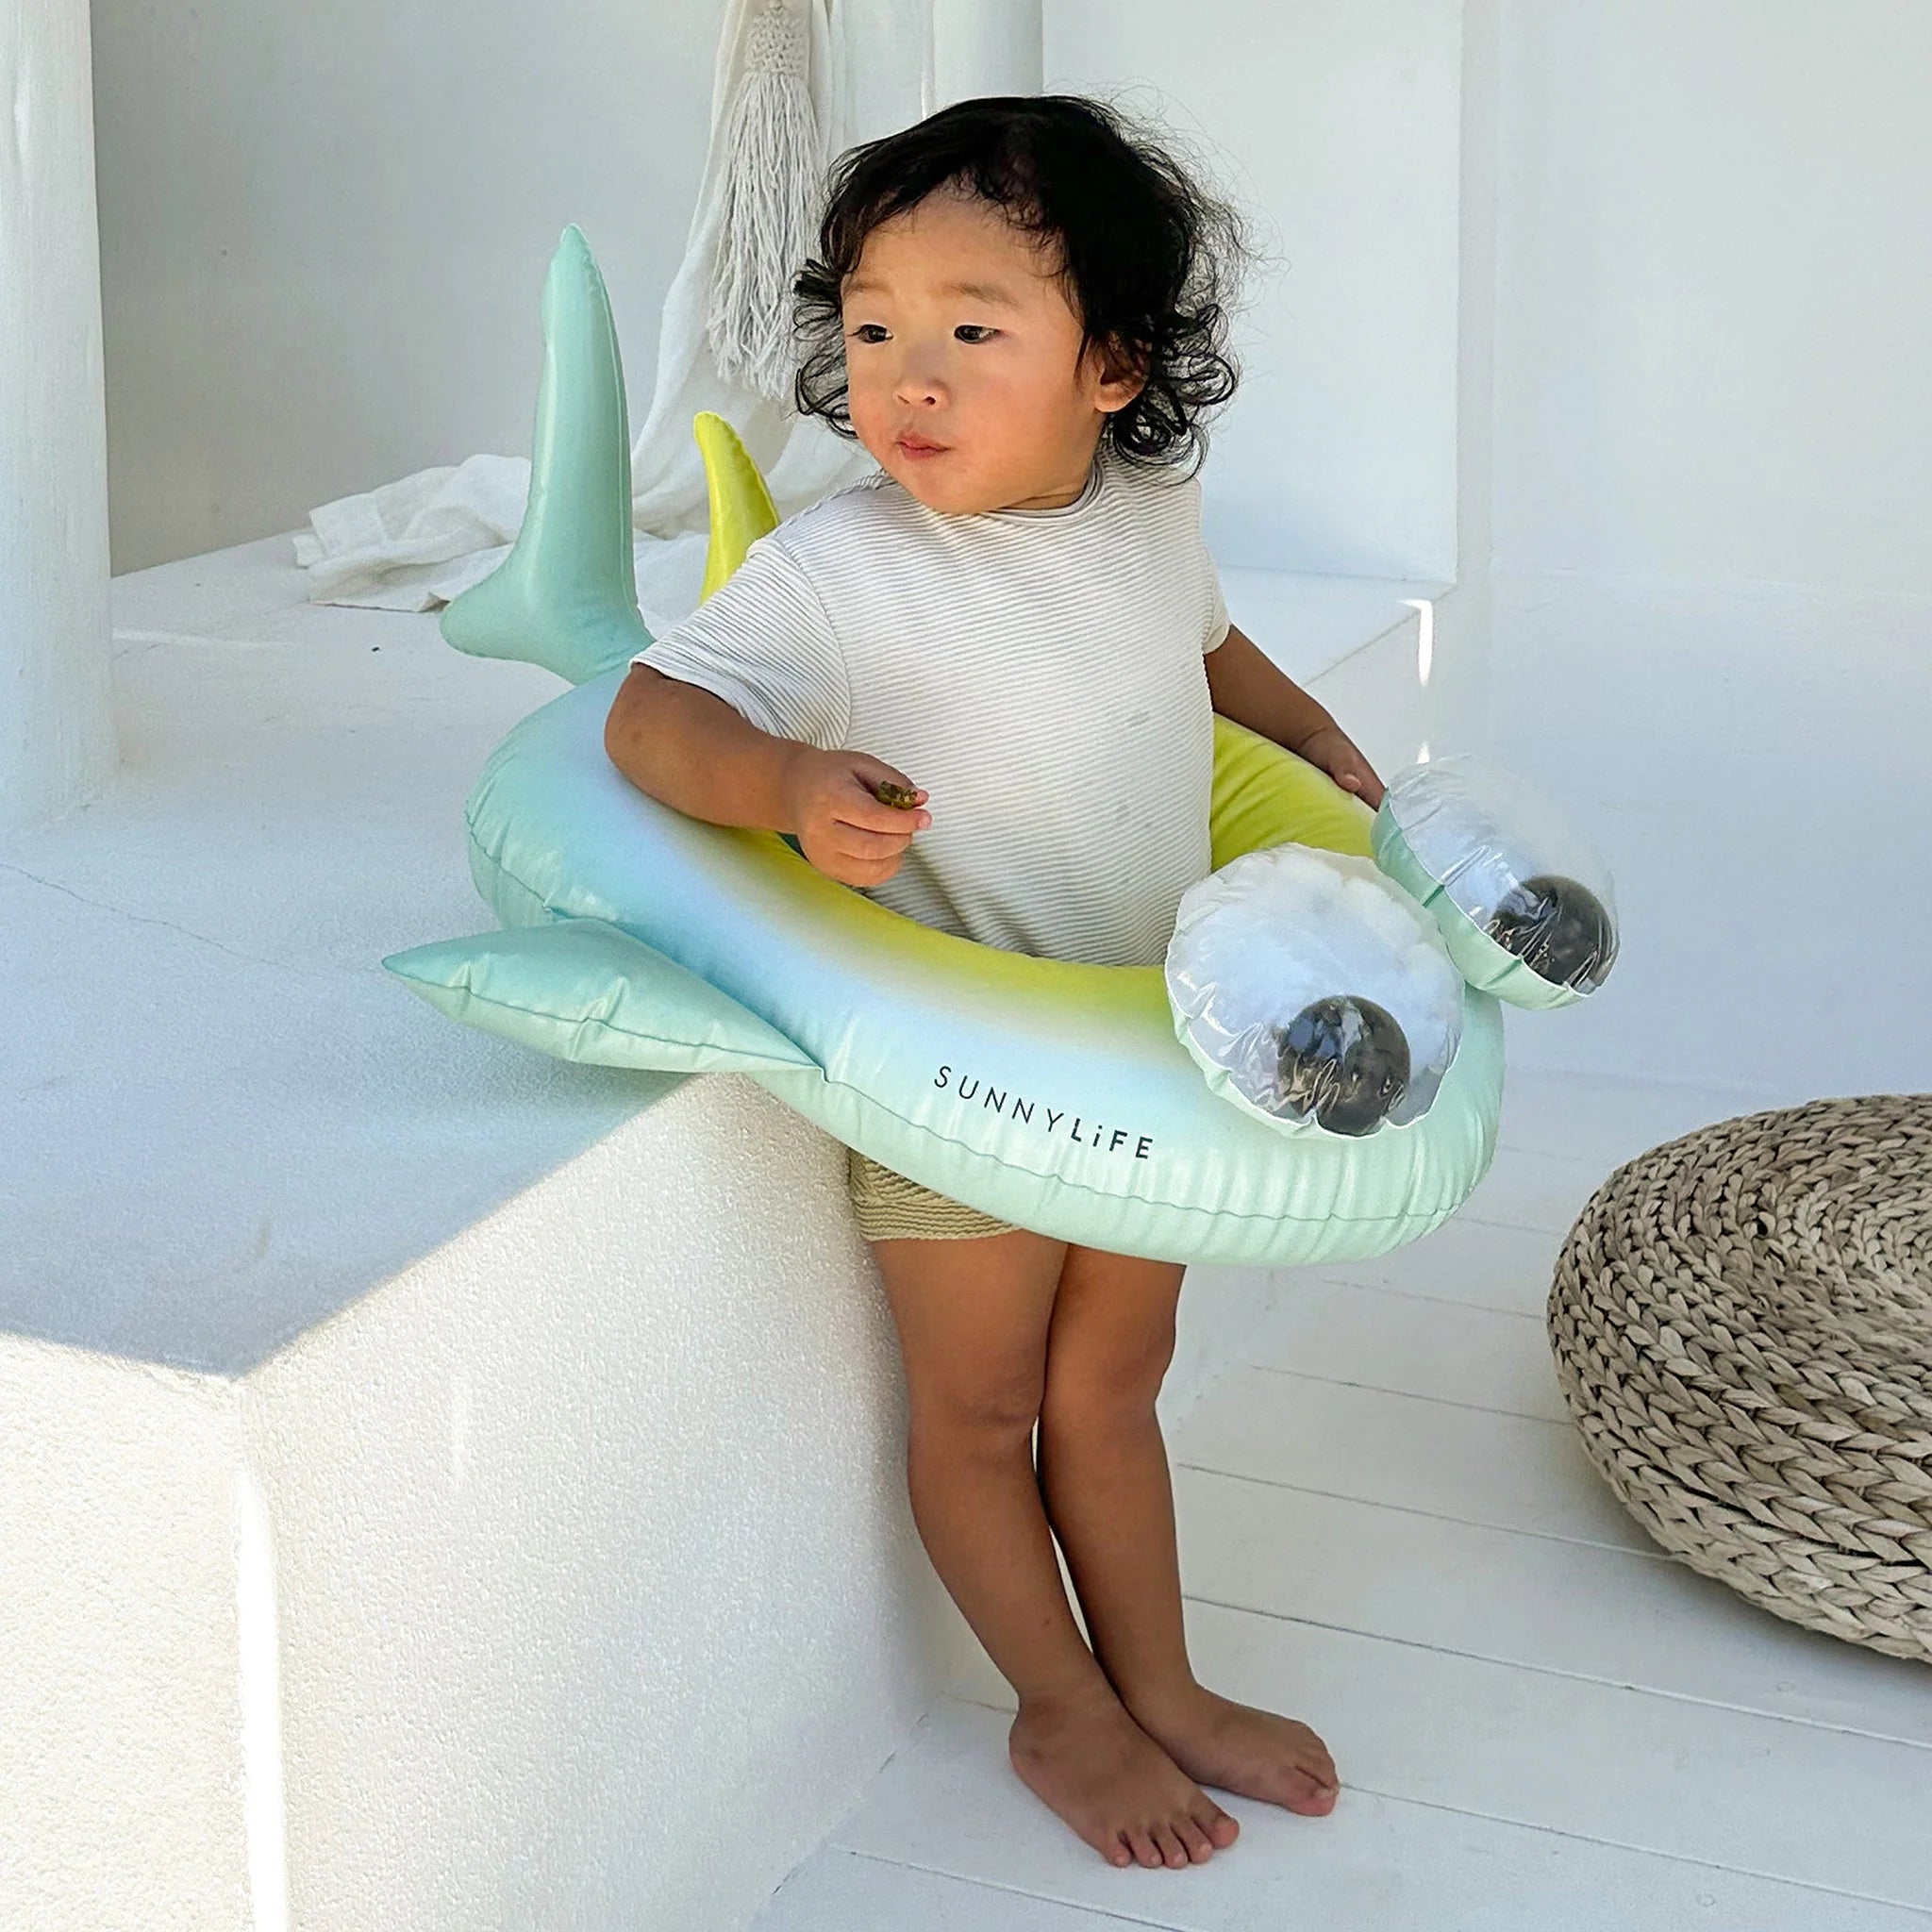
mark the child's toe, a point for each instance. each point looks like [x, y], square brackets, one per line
[1221, 1827]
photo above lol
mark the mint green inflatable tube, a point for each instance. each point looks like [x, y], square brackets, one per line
[1052, 1093]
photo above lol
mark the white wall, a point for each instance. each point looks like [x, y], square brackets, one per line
[1713, 303]
[56, 730]
[323, 237]
[1715, 286]
[1337, 127]
[323, 232]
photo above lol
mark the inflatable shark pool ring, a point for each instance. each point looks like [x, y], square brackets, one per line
[1060, 1095]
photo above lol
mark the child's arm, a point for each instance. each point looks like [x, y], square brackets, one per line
[688, 747]
[1250, 689]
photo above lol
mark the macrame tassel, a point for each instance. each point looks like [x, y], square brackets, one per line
[770, 207]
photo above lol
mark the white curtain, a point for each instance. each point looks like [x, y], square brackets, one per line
[796, 83]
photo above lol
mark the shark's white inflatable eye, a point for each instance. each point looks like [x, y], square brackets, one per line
[1311, 992]
[1522, 900]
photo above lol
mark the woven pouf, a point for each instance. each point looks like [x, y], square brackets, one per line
[1742, 1327]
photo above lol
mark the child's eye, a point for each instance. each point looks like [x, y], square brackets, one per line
[975, 332]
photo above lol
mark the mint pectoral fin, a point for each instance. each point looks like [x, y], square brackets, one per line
[584, 989]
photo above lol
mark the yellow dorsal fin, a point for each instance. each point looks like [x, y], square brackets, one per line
[742, 507]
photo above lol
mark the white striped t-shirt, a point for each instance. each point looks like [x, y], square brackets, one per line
[1039, 672]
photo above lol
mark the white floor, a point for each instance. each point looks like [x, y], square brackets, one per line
[1387, 1529]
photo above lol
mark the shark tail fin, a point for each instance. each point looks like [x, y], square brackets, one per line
[566, 596]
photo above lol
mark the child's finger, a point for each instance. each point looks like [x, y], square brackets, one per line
[861, 805]
[856, 842]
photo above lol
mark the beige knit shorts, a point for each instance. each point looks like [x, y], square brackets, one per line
[891, 1207]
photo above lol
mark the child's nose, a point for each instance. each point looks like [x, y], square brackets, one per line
[921, 383]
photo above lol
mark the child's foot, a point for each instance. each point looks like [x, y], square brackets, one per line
[1099, 1770]
[1241, 1749]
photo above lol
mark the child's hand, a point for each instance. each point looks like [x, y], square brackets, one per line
[1331, 750]
[842, 826]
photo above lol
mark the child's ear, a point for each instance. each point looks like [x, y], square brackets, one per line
[1123, 376]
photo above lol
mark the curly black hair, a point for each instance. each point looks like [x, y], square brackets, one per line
[1148, 258]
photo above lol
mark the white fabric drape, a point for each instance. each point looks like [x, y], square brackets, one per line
[868, 69]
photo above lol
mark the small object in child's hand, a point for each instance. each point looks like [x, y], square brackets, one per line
[904, 796]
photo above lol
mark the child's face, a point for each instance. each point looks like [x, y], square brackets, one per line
[994, 375]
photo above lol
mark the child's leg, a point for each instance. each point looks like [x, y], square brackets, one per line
[972, 1316]
[1104, 1478]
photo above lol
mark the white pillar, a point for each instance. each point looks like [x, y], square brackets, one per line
[56, 725]
[982, 47]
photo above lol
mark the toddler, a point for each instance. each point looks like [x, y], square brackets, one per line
[1017, 310]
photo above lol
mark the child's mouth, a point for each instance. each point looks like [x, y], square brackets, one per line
[918, 450]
